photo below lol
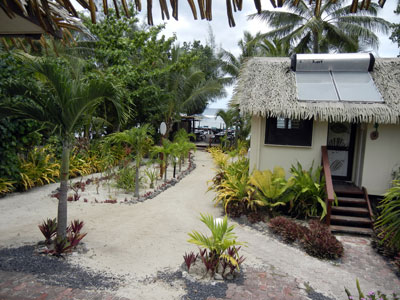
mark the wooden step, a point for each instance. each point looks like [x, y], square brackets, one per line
[348, 201]
[350, 211]
[350, 220]
[351, 230]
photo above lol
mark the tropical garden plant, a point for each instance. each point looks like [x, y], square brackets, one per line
[219, 244]
[308, 190]
[63, 96]
[271, 189]
[371, 295]
[140, 142]
[388, 222]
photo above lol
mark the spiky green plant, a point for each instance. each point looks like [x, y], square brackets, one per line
[271, 188]
[389, 219]
[222, 237]
[308, 188]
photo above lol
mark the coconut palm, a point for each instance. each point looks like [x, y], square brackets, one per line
[59, 101]
[140, 142]
[321, 28]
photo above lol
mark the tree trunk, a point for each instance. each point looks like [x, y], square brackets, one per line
[315, 42]
[137, 179]
[165, 168]
[62, 199]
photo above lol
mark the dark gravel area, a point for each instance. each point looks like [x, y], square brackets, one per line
[313, 295]
[200, 290]
[53, 270]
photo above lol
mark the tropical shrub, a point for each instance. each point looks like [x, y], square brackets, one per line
[234, 190]
[152, 176]
[48, 229]
[318, 241]
[389, 219]
[308, 188]
[6, 186]
[189, 258]
[270, 188]
[370, 296]
[125, 179]
[38, 168]
[289, 230]
[218, 246]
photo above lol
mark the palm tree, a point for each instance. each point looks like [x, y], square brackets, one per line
[140, 141]
[59, 101]
[315, 28]
[188, 92]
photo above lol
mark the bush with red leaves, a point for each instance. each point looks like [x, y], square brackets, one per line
[289, 230]
[319, 242]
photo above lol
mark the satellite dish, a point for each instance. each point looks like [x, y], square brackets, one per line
[163, 128]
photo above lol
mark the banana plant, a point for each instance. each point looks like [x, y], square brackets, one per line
[270, 188]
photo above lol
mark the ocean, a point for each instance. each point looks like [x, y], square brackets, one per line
[208, 119]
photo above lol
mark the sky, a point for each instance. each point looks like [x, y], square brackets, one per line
[187, 29]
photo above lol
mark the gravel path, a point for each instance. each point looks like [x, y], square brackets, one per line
[143, 244]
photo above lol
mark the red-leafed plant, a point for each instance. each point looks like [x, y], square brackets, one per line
[48, 229]
[319, 241]
[289, 230]
[189, 258]
[74, 235]
[61, 245]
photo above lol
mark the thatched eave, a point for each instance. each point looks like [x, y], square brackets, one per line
[267, 87]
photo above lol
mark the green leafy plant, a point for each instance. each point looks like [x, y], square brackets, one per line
[370, 296]
[125, 179]
[48, 228]
[271, 188]
[389, 219]
[152, 175]
[222, 237]
[6, 186]
[318, 241]
[38, 168]
[308, 188]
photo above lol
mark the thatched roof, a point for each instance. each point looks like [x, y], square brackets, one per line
[267, 87]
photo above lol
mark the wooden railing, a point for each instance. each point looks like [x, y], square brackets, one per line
[330, 194]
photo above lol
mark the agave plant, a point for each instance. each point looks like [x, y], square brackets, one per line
[271, 188]
[221, 239]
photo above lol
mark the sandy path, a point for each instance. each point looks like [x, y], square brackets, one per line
[138, 240]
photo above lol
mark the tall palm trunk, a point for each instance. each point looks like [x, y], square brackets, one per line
[316, 38]
[137, 177]
[62, 199]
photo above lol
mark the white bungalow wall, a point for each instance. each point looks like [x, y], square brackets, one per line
[374, 160]
[380, 158]
[268, 156]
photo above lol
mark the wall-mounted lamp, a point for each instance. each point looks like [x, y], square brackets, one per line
[375, 134]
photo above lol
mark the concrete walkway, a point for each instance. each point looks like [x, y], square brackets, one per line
[137, 241]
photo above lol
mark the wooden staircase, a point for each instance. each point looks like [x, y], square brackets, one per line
[353, 215]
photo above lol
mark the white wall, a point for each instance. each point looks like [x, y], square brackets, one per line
[380, 157]
[268, 156]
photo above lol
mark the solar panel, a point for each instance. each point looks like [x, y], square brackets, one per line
[356, 86]
[315, 86]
